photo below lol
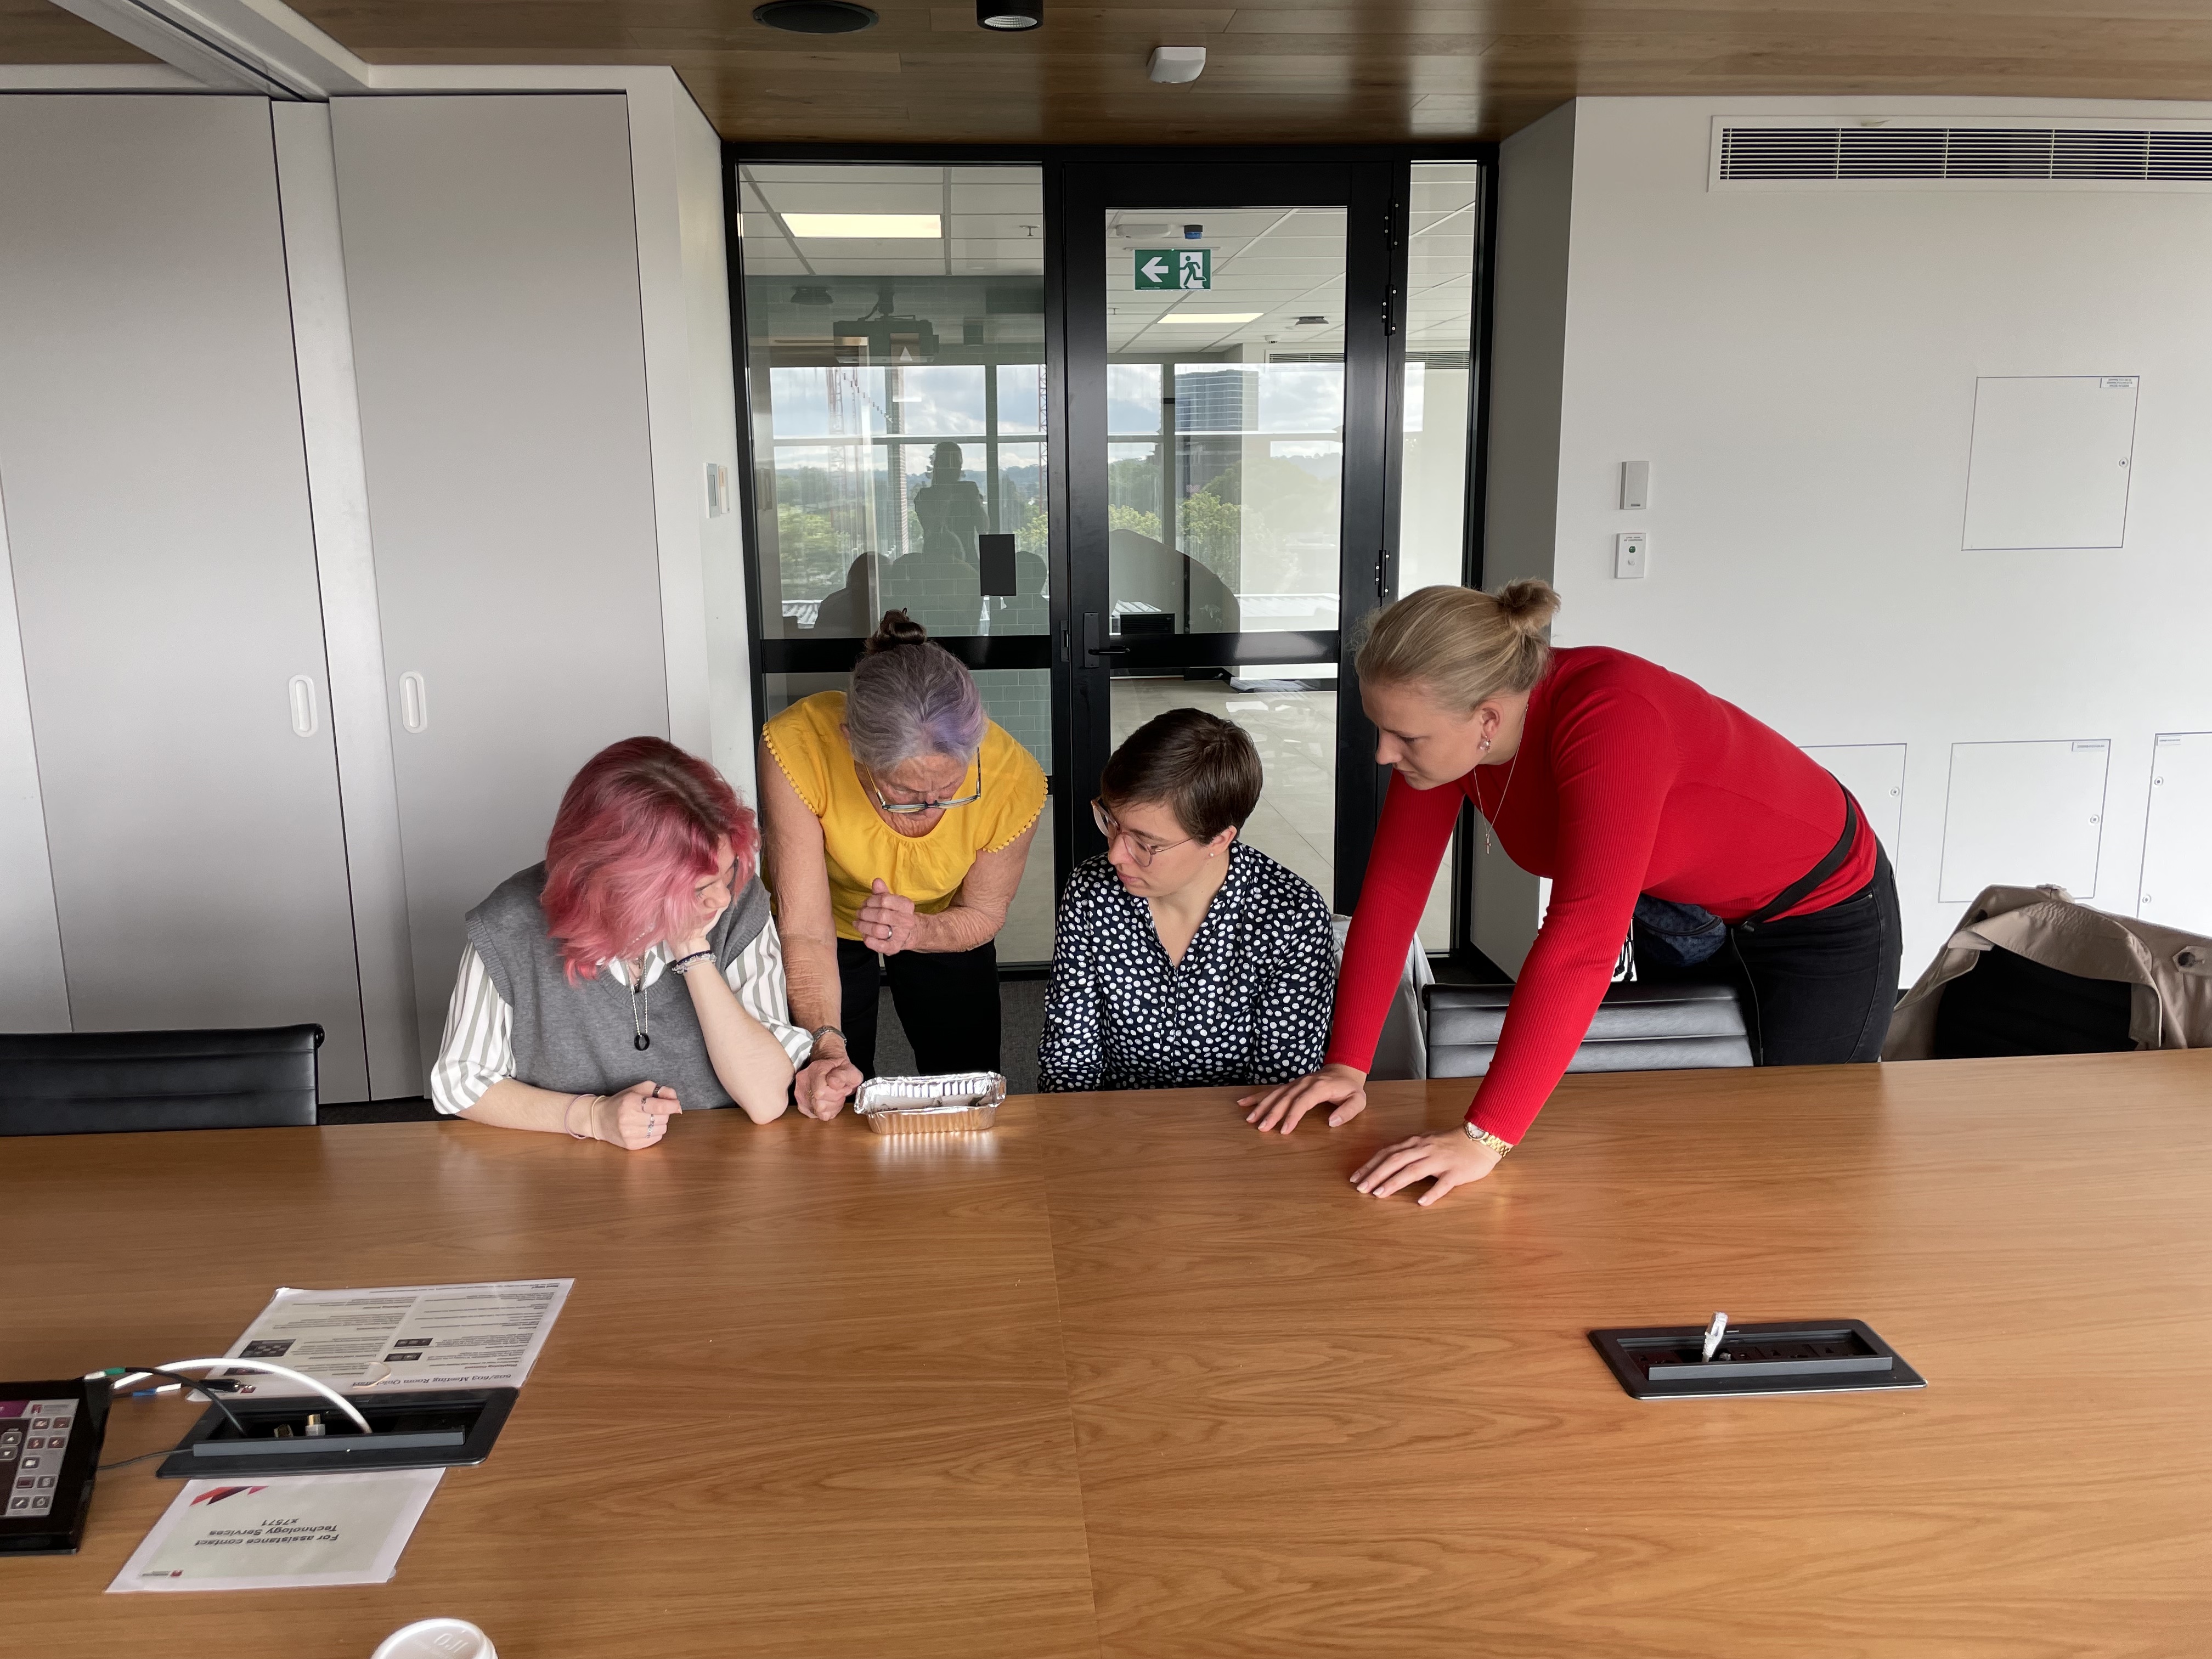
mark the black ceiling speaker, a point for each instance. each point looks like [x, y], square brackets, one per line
[1010, 15]
[815, 16]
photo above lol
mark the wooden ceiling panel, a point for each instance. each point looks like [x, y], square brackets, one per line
[1285, 71]
[35, 32]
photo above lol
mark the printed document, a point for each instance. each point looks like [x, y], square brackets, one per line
[406, 1336]
[280, 1533]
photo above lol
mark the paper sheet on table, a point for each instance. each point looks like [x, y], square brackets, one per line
[404, 1336]
[286, 1532]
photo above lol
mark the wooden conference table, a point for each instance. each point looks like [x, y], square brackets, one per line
[1125, 1378]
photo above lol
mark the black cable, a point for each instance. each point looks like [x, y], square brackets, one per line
[125, 1463]
[214, 1394]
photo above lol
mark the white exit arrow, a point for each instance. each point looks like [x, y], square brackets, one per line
[1155, 269]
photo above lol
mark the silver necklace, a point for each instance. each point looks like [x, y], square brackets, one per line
[640, 1014]
[1489, 845]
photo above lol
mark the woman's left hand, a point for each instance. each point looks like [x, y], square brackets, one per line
[1446, 1160]
[886, 921]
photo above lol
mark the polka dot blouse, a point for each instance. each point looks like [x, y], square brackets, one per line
[1248, 1003]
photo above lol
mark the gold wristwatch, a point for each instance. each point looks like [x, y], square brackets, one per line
[1496, 1144]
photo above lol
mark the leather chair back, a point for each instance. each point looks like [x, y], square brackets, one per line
[93, 1082]
[1638, 1028]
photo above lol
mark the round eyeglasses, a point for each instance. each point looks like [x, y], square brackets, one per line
[1141, 852]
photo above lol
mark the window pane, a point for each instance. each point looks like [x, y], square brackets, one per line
[885, 372]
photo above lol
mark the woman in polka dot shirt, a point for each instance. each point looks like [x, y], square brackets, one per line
[1183, 956]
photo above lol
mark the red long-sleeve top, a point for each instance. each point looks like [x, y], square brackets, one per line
[1629, 780]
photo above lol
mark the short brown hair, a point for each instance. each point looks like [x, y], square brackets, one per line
[1201, 767]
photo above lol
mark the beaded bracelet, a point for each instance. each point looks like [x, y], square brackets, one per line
[683, 964]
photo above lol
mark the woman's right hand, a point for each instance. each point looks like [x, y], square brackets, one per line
[634, 1119]
[1338, 1087]
[827, 1080]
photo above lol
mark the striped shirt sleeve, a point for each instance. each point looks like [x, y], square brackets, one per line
[478, 1047]
[757, 976]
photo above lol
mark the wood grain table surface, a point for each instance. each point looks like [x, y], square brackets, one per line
[1124, 1378]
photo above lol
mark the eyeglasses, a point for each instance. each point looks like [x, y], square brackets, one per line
[1142, 852]
[906, 806]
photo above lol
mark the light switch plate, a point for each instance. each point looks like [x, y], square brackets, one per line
[1635, 486]
[1630, 551]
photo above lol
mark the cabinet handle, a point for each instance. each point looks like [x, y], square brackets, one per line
[302, 690]
[414, 703]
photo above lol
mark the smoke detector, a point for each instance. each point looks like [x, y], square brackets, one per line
[1175, 65]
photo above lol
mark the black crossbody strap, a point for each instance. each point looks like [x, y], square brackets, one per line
[1795, 893]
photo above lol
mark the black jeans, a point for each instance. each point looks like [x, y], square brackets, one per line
[1818, 988]
[947, 1001]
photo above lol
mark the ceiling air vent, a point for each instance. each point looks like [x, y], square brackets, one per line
[1895, 155]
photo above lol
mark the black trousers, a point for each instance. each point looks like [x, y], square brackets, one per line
[947, 1001]
[1818, 988]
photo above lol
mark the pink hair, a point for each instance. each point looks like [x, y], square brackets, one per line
[636, 832]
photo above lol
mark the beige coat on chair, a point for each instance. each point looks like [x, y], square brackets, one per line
[2170, 971]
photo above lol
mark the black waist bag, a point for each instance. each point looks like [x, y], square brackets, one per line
[1684, 935]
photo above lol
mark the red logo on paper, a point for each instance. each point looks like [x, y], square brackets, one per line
[219, 1493]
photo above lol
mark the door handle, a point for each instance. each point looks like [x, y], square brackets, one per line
[414, 702]
[1091, 647]
[302, 693]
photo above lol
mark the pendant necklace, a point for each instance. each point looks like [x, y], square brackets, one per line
[1488, 845]
[641, 1016]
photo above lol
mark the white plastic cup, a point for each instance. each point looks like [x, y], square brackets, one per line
[436, 1638]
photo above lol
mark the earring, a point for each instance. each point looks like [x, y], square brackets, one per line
[1485, 745]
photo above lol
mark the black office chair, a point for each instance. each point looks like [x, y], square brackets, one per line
[1638, 1028]
[76, 1083]
[2010, 1004]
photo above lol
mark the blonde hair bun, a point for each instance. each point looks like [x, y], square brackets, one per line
[1528, 604]
[1460, 644]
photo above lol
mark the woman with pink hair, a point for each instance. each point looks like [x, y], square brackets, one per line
[648, 878]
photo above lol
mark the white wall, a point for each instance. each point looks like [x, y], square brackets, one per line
[1800, 368]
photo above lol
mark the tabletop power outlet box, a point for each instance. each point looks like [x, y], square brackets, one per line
[51, 1433]
[305, 1434]
[1667, 1361]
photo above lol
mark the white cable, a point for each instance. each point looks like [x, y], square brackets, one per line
[321, 1387]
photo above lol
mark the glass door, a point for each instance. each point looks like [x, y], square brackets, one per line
[1230, 390]
[895, 322]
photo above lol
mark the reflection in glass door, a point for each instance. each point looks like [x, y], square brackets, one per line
[895, 319]
[1225, 458]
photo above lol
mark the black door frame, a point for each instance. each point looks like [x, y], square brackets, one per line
[1373, 182]
[1373, 195]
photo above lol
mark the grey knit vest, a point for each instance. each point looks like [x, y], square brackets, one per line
[581, 1038]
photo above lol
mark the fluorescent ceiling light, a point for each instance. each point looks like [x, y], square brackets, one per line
[1211, 316]
[915, 225]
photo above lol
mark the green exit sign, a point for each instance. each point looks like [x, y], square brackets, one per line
[1174, 267]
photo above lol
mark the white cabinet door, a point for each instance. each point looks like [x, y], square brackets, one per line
[491, 267]
[2177, 867]
[164, 572]
[2023, 815]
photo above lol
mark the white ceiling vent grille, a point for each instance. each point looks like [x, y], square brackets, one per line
[1896, 156]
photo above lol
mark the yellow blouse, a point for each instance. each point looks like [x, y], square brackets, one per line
[860, 845]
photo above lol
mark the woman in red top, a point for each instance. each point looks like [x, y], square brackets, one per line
[1618, 780]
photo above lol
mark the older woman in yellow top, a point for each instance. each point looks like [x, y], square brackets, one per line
[898, 817]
